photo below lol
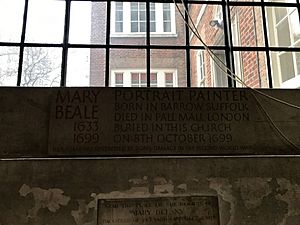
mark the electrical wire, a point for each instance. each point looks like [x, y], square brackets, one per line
[218, 61]
[228, 72]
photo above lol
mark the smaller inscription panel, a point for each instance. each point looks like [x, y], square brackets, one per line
[188, 210]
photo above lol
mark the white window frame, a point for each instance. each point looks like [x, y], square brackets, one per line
[159, 31]
[200, 69]
[236, 40]
[295, 81]
[161, 81]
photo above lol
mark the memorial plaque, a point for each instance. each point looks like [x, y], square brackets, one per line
[190, 210]
[151, 121]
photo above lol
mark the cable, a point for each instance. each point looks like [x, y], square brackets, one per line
[218, 61]
[233, 76]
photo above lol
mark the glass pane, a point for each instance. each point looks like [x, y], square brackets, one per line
[142, 15]
[41, 67]
[283, 31]
[97, 67]
[295, 25]
[88, 23]
[169, 31]
[45, 21]
[11, 20]
[9, 61]
[79, 63]
[283, 69]
[134, 15]
[286, 66]
[250, 67]
[246, 26]
[209, 27]
[131, 27]
[130, 62]
[219, 75]
[200, 66]
[280, 13]
[142, 26]
[165, 61]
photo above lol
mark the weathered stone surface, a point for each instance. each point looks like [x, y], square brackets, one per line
[262, 191]
[110, 121]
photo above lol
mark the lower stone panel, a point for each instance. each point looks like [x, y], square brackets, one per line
[261, 191]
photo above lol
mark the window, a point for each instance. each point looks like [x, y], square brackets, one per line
[119, 17]
[220, 78]
[130, 18]
[107, 43]
[285, 28]
[138, 78]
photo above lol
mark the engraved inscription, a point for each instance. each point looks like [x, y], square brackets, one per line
[155, 121]
[159, 211]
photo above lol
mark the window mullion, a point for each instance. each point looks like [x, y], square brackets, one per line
[148, 50]
[65, 44]
[265, 31]
[21, 53]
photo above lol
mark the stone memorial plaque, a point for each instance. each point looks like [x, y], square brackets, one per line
[191, 210]
[151, 121]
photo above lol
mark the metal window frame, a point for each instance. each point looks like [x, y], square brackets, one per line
[228, 47]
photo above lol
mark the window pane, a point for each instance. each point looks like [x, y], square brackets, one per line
[250, 67]
[130, 62]
[80, 64]
[283, 32]
[134, 26]
[41, 67]
[286, 66]
[97, 67]
[295, 25]
[9, 61]
[134, 16]
[284, 69]
[45, 21]
[169, 61]
[88, 23]
[11, 20]
[218, 70]
[210, 25]
[280, 13]
[246, 26]
[199, 66]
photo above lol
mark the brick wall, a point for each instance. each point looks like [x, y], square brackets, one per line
[252, 63]
[136, 58]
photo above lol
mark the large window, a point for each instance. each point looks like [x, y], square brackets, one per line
[149, 43]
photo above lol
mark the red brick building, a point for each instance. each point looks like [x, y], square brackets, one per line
[168, 65]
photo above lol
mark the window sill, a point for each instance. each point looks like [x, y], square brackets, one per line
[158, 35]
[291, 83]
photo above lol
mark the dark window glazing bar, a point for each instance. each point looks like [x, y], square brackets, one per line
[187, 42]
[227, 38]
[148, 51]
[22, 43]
[65, 44]
[107, 48]
[269, 69]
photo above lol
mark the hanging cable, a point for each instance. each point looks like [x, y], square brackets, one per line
[233, 76]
